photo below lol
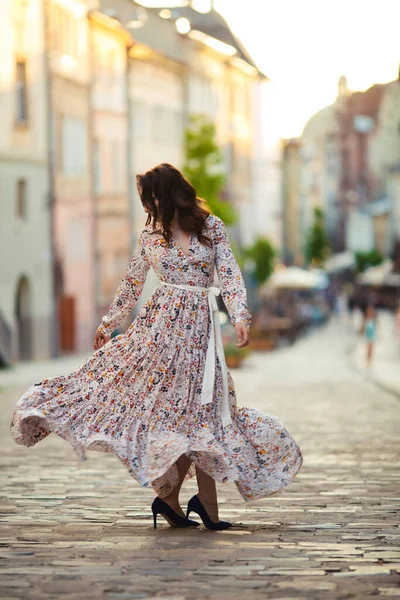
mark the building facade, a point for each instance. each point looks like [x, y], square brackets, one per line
[71, 132]
[26, 307]
[384, 163]
[292, 239]
[360, 191]
[321, 168]
[109, 44]
[96, 92]
[349, 152]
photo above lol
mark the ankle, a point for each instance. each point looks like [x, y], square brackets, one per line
[208, 499]
[171, 500]
[210, 505]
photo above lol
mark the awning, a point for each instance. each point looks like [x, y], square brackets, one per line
[378, 276]
[298, 279]
[340, 262]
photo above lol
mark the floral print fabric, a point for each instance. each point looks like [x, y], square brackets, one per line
[139, 395]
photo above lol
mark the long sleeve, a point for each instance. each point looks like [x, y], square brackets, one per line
[128, 291]
[231, 282]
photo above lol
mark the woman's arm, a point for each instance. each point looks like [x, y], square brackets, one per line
[232, 286]
[128, 291]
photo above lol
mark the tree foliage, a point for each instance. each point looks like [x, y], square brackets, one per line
[204, 166]
[364, 260]
[262, 253]
[317, 244]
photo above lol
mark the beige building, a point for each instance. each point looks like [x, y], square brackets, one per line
[26, 308]
[111, 99]
[320, 168]
[384, 145]
[393, 193]
[109, 43]
[293, 239]
[384, 162]
[70, 123]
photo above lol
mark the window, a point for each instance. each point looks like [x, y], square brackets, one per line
[64, 32]
[74, 147]
[21, 93]
[21, 199]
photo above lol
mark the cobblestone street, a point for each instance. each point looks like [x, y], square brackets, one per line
[84, 530]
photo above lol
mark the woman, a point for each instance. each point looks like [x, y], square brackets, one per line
[370, 330]
[160, 396]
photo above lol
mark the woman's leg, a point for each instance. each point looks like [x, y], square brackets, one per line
[207, 494]
[183, 464]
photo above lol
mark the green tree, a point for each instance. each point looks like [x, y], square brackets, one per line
[204, 166]
[262, 253]
[368, 259]
[317, 244]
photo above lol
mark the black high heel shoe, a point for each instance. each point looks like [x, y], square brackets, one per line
[196, 506]
[159, 507]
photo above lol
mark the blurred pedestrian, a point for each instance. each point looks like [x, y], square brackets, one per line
[370, 330]
[351, 307]
[363, 306]
[160, 396]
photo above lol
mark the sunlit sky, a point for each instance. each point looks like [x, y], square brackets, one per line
[304, 46]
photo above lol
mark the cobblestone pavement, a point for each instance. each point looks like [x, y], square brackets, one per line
[83, 530]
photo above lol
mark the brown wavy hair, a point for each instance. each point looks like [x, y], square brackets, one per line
[176, 197]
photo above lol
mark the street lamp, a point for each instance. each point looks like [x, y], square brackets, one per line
[183, 25]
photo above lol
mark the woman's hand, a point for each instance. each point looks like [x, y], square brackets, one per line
[242, 334]
[100, 340]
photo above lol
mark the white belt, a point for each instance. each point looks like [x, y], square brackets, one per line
[214, 344]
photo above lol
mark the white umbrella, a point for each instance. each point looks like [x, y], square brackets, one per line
[340, 262]
[296, 279]
[392, 280]
[376, 275]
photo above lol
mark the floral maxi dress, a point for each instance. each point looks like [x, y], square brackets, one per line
[139, 396]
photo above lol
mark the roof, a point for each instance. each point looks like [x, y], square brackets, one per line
[367, 102]
[321, 123]
[214, 25]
